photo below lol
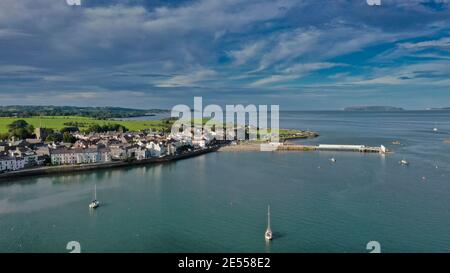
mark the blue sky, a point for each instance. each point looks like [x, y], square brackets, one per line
[302, 55]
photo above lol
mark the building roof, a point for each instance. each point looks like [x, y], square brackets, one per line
[73, 151]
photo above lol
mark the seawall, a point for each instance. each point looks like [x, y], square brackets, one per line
[39, 171]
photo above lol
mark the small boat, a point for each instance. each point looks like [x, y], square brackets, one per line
[95, 203]
[268, 233]
[435, 129]
[404, 162]
[333, 159]
[396, 142]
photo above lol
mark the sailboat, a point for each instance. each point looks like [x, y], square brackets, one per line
[268, 234]
[404, 162]
[95, 203]
[435, 129]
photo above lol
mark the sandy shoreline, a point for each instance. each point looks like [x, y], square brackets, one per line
[253, 147]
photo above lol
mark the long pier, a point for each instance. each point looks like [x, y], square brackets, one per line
[332, 147]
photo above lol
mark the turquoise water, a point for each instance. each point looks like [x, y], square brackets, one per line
[217, 202]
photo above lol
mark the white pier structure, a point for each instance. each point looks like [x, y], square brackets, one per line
[354, 148]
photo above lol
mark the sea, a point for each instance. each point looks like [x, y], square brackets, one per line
[218, 202]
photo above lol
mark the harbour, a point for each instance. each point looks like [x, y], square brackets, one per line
[217, 201]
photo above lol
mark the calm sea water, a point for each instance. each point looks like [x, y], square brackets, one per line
[217, 202]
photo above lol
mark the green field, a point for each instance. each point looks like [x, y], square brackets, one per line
[58, 122]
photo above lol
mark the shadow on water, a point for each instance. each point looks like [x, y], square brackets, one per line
[21, 180]
[278, 235]
[80, 176]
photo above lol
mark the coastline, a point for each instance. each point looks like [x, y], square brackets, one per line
[40, 171]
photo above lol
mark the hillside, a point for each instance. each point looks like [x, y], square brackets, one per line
[92, 112]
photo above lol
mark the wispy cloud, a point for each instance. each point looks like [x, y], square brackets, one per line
[294, 72]
[240, 49]
[187, 80]
[247, 53]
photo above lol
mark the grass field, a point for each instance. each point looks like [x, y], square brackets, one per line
[58, 122]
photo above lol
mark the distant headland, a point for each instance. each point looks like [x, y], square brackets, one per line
[439, 108]
[24, 111]
[373, 108]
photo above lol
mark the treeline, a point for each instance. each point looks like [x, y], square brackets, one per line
[96, 128]
[75, 124]
[20, 129]
[24, 111]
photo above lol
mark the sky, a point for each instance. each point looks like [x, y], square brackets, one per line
[299, 54]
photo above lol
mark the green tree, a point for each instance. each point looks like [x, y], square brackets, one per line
[96, 128]
[4, 136]
[70, 129]
[53, 138]
[20, 129]
[68, 138]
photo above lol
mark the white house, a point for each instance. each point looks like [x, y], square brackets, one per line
[156, 149]
[75, 156]
[199, 142]
[142, 153]
[8, 163]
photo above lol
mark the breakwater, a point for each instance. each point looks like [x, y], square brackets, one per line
[254, 147]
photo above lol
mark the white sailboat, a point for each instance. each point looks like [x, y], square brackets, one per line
[268, 234]
[404, 162]
[95, 203]
[435, 129]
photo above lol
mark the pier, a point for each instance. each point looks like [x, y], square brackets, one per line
[333, 147]
[271, 147]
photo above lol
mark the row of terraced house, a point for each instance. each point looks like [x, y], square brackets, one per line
[96, 148]
[16, 155]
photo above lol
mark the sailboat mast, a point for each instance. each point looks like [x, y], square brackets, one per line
[268, 217]
[95, 192]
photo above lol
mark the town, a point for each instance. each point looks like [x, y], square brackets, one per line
[26, 150]
[75, 147]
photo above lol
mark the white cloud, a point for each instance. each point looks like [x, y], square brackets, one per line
[412, 49]
[428, 74]
[294, 72]
[11, 33]
[190, 79]
[18, 69]
[246, 53]
[443, 42]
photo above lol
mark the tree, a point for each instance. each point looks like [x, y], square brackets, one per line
[96, 128]
[68, 138]
[20, 129]
[4, 136]
[70, 129]
[53, 138]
